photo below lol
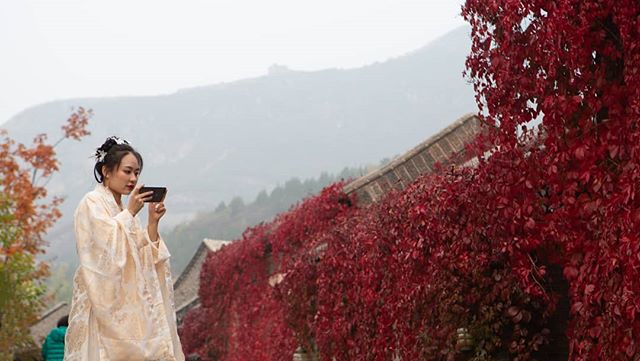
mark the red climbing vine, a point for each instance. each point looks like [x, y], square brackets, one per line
[468, 250]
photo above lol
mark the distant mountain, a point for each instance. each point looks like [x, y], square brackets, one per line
[209, 144]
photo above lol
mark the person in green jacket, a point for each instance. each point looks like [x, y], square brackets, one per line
[53, 348]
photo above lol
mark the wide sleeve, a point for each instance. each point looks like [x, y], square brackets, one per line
[159, 249]
[100, 238]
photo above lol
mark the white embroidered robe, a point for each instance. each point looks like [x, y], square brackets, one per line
[122, 307]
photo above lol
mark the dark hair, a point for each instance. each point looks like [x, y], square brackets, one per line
[110, 154]
[63, 321]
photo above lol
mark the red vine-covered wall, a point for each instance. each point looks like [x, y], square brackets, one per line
[464, 262]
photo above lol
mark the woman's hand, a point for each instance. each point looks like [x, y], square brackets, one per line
[156, 211]
[136, 200]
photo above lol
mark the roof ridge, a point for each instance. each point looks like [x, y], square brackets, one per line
[376, 173]
[201, 248]
[51, 311]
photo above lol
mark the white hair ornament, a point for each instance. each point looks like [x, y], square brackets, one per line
[101, 153]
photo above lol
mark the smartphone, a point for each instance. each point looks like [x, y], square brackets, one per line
[158, 193]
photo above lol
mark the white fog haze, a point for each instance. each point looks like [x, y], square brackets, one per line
[58, 49]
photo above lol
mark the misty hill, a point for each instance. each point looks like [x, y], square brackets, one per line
[209, 144]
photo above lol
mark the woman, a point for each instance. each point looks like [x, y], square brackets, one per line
[122, 307]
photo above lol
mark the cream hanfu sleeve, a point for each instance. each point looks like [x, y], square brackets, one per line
[128, 286]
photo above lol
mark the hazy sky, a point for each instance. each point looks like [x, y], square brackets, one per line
[56, 49]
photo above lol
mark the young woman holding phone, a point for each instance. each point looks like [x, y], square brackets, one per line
[122, 306]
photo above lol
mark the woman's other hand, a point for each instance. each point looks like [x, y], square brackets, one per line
[156, 211]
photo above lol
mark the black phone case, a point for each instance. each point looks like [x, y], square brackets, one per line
[158, 193]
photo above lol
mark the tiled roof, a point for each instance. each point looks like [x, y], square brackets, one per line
[185, 287]
[420, 160]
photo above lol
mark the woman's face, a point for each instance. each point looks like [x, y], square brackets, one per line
[123, 179]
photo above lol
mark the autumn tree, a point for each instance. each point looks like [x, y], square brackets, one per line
[26, 213]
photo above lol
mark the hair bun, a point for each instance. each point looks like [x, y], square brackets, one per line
[102, 151]
[109, 155]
